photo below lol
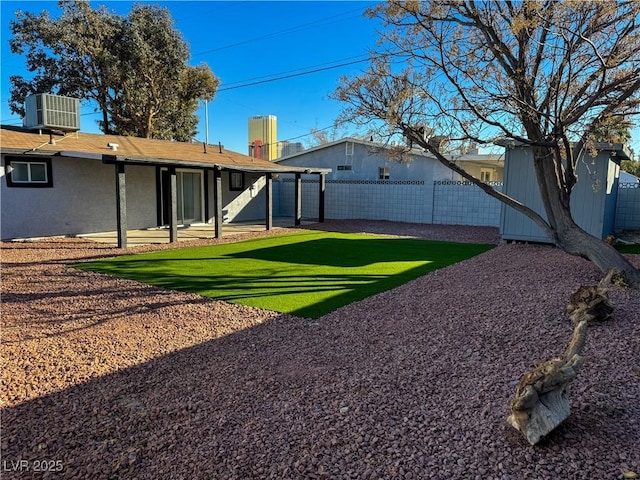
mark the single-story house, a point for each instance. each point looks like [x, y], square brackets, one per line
[68, 183]
[355, 159]
[593, 199]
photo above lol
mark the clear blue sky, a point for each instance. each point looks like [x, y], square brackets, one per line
[243, 42]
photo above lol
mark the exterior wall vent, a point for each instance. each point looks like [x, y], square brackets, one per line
[44, 110]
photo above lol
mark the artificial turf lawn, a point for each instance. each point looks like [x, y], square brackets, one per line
[307, 274]
[634, 248]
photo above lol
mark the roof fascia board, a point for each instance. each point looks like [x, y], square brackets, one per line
[622, 148]
[115, 159]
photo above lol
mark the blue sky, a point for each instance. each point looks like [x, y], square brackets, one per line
[243, 42]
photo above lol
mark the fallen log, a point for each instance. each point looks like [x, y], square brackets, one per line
[590, 304]
[541, 401]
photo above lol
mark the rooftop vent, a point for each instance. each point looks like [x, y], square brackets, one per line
[44, 110]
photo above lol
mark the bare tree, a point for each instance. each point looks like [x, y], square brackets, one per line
[547, 74]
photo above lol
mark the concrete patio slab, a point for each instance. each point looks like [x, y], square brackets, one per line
[185, 233]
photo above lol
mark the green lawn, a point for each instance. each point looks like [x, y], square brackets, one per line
[635, 248]
[307, 274]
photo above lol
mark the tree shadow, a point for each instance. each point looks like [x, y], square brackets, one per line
[361, 268]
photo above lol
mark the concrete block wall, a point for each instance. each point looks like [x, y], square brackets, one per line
[441, 202]
[462, 203]
[402, 201]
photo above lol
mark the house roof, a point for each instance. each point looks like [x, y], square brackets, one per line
[621, 150]
[479, 158]
[134, 150]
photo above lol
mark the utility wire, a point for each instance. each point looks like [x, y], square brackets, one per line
[284, 77]
[295, 29]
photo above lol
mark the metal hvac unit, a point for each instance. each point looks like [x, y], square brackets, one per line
[44, 110]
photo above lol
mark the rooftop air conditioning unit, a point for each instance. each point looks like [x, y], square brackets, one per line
[44, 110]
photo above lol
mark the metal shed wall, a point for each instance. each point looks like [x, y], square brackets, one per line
[593, 199]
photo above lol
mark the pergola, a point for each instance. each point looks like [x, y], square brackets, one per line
[121, 161]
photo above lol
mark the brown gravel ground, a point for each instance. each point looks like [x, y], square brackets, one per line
[113, 379]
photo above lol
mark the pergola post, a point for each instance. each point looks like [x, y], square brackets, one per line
[269, 201]
[321, 191]
[121, 205]
[298, 199]
[206, 195]
[173, 205]
[217, 201]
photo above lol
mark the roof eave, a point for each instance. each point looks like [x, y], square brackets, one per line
[114, 159]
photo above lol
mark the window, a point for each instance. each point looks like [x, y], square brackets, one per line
[485, 175]
[383, 173]
[344, 167]
[22, 172]
[236, 181]
[348, 148]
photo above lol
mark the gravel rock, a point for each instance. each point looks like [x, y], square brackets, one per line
[108, 378]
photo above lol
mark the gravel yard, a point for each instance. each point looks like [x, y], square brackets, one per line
[107, 378]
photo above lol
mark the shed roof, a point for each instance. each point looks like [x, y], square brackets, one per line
[135, 150]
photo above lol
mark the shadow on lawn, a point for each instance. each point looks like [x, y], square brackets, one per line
[349, 252]
[263, 291]
[341, 270]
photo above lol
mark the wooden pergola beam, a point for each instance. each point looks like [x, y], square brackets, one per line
[269, 201]
[298, 199]
[173, 205]
[322, 188]
[121, 206]
[217, 201]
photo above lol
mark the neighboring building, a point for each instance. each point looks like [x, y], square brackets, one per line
[263, 137]
[54, 183]
[626, 177]
[286, 148]
[354, 159]
[593, 199]
[368, 182]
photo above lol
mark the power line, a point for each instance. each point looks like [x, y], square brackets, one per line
[284, 77]
[295, 29]
[359, 57]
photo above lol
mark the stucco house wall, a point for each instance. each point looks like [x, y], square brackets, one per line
[245, 205]
[80, 200]
[357, 161]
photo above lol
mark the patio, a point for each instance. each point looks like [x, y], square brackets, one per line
[188, 232]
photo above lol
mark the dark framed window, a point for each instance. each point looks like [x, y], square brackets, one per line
[383, 173]
[236, 181]
[28, 173]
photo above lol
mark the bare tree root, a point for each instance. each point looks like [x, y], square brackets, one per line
[541, 401]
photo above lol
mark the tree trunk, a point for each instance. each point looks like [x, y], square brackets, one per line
[567, 235]
[541, 401]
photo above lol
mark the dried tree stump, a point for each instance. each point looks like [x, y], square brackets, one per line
[590, 304]
[541, 401]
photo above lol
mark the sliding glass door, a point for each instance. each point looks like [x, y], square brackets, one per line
[189, 185]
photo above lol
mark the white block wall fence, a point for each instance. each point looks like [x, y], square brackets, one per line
[628, 207]
[412, 201]
[417, 201]
[463, 203]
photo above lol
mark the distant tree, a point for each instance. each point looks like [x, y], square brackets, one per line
[133, 67]
[323, 136]
[332, 134]
[631, 166]
[544, 73]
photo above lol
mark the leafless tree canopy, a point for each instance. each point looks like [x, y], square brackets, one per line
[552, 75]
